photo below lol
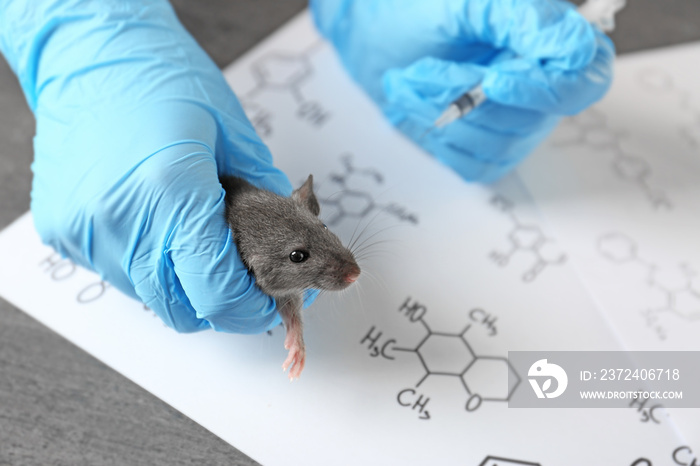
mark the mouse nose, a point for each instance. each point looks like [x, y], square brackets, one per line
[352, 274]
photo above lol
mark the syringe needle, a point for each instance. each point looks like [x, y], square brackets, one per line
[460, 107]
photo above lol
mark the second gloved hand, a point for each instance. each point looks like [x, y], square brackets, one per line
[537, 60]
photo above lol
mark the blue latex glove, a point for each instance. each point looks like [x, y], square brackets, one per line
[134, 124]
[537, 60]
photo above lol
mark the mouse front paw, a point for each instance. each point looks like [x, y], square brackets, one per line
[296, 357]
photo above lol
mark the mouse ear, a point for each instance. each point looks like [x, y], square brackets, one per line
[306, 197]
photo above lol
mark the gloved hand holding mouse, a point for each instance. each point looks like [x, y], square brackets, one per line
[134, 125]
[536, 59]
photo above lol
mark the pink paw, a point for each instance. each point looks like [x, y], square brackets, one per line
[296, 358]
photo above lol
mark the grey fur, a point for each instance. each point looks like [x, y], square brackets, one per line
[267, 228]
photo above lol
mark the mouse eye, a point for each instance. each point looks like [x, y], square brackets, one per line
[298, 256]
[324, 226]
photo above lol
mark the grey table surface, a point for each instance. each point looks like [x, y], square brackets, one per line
[59, 405]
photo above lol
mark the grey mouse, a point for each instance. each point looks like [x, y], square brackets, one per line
[289, 250]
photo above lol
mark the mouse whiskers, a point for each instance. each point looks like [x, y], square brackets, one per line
[367, 248]
[354, 239]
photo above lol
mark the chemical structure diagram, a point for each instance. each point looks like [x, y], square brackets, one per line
[91, 289]
[527, 239]
[498, 461]
[680, 289]
[59, 270]
[353, 198]
[283, 72]
[681, 456]
[448, 354]
[592, 129]
[658, 81]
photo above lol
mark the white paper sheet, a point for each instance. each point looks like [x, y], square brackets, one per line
[479, 270]
[621, 189]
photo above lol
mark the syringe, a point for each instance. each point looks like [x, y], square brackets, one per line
[601, 13]
[460, 107]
